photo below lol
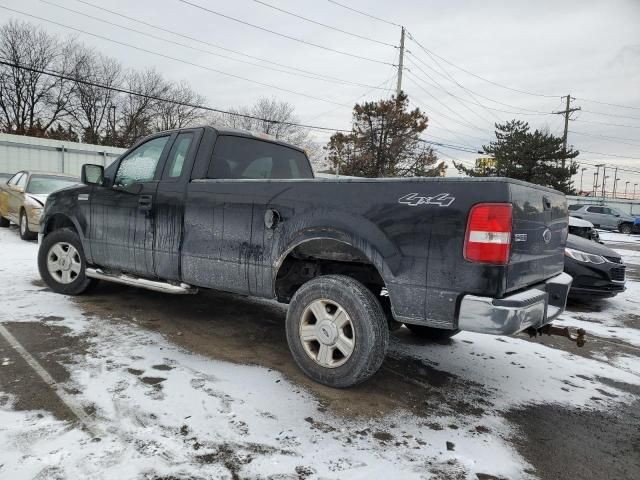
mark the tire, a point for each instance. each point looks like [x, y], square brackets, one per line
[431, 333]
[338, 314]
[25, 233]
[59, 244]
[4, 223]
[625, 228]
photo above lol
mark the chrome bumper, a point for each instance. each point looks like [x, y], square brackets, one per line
[534, 307]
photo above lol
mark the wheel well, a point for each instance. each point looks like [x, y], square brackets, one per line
[57, 222]
[324, 257]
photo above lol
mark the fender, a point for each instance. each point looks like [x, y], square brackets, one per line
[52, 215]
[354, 231]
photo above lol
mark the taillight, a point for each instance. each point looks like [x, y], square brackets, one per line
[488, 238]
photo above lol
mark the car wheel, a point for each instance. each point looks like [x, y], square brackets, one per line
[4, 223]
[625, 228]
[62, 263]
[423, 331]
[25, 233]
[337, 331]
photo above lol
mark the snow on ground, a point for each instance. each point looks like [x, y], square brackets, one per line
[615, 237]
[165, 411]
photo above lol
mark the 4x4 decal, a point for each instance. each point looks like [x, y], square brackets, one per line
[413, 199]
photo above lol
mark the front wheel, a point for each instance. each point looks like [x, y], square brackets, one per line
[625, 228]
[431, 333]
[62, 263]
[25, 233]
[337, 331]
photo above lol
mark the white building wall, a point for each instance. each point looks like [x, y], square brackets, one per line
[18, 152]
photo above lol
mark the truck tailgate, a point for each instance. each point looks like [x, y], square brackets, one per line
[540, 228]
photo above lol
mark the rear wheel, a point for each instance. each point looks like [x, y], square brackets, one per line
[25, 233]
[423, 331]
[62, 263]
[337, 331]
[625, 228]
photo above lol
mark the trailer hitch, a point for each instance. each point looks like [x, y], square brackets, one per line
[550, 329]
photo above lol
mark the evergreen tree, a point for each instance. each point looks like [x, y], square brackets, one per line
[534, 157]
[384, 142]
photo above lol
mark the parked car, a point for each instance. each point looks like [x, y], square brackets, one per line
[603, 217]
[223, 209]
[597, 271]
[583, 229]
[23, 196]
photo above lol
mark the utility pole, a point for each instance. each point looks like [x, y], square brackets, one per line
[595, 189]
[567, 113]
[615, 181]
[595, 184]
[400, 63]
[604, 181]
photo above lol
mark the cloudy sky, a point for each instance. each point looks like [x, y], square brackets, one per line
[474, 62]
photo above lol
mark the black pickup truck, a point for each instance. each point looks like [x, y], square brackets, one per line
[353, 258]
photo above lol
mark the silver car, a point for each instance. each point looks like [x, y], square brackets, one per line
[603, 217]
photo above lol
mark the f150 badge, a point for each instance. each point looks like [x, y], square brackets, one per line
[413, 199]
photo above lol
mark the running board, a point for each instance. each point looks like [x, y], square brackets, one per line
[164, 287]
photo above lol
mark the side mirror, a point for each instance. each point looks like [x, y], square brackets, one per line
[92, 174]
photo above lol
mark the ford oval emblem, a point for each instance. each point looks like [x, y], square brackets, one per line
[546, 236]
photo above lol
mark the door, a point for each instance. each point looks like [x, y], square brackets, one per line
[595, 216]
[169, 204]
[610, 220]
[121, 233]
[6, 196]
[16, 197]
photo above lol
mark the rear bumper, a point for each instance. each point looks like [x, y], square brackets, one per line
[534, 307]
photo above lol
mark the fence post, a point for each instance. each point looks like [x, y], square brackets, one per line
[62, 157]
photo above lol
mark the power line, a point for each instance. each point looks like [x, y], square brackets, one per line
[429, 52]
[203, 42]
[364, 13]
[283, 35]
[362, 37]
[611, 155]
[606, 137]
[311, 75]
[458, 99]
[161, 99]
[463, 122]
[612, 114]
[176, 59]
[607, 124]
[606, 103]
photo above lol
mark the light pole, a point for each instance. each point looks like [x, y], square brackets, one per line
[604, 186]
[634, 190]
[582, 175]
[625, 188]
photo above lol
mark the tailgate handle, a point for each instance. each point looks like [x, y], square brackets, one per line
[546, 203]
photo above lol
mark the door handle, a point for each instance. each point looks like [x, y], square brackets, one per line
[145, 202]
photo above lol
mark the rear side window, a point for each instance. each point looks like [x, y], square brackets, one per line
[574, 207]
[248, 158]
[22, 181]
[595, 210]
[178, 154]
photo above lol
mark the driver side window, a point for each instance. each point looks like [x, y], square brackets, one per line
[140, 165]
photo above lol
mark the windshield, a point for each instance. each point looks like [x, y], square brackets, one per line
[44, 184]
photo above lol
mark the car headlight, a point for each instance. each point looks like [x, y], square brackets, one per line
[583, 256]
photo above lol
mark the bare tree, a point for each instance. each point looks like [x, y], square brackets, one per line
[137, 112]
[30, 101]
[91, 101]
[272, 117]
[181, 113]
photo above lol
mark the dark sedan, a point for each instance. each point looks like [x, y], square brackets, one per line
[597, 271]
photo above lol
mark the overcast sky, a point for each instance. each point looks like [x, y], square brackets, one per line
[590, 49]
